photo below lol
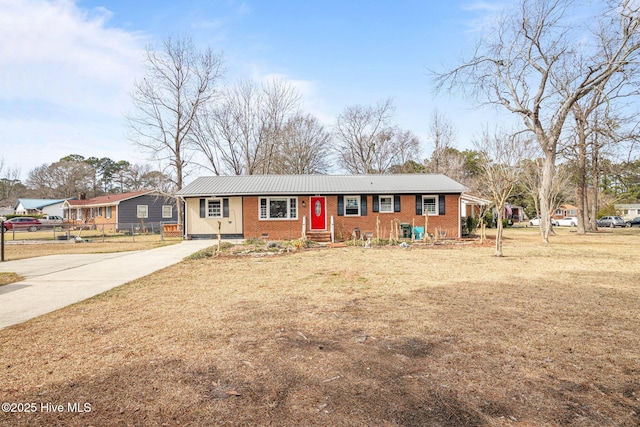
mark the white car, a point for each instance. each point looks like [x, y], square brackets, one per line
[535, 222]
[568, 221]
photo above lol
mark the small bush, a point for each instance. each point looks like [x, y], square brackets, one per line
[210, 251]
[488, 219]
[203, 253]
[253, 241]
[472, 224]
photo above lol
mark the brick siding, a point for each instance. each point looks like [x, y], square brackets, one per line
[344, 225]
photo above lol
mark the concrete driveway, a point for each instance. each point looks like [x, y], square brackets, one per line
[55, 281]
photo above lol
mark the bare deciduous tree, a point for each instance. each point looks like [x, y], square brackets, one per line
[9, 182]
[240, 134]
[180, 80]
[441, 135]
[65, 178]
[537, 64]
[406, 146]
[367, 143]
[302, 147]
[280, 102]
[501, 160]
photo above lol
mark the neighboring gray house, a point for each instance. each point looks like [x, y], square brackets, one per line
[115, 211]
[628, 211]
[39, 206]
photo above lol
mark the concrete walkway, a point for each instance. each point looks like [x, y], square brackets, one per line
[55, 281]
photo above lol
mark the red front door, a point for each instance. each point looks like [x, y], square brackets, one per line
[318, 213]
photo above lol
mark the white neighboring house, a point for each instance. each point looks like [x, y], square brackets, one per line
[39, 207]
[628, 211]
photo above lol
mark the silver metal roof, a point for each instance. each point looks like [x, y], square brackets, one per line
[244, 185]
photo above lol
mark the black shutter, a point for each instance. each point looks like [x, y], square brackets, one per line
[418, 204]
[340, 205]
[203, 209]
[376, 203]
[225, 208]
[363, 205]
[396, 203]
[441, 205]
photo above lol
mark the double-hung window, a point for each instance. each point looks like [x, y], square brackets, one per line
[278, 207]
[167, 211]
[430, 205]
[142, 211]
[214, 208]
[386, 204]
[352, 205]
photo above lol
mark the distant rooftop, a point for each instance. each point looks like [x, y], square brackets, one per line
[109, 199]
[37, 203]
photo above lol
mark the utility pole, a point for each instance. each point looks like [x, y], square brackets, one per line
[2, 241]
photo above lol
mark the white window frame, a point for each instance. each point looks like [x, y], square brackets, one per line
[389, 208]
[108, 211]
[436, 210]
[264, 208]
[358, 203]
[211, 214]
[142, 211]
[167, 211]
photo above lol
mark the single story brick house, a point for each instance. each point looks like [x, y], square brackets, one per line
[115, 211]
[565, 210]
[284, 207]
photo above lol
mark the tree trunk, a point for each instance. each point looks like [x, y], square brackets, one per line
[499, 231]
[596, 178]
[179, 172]
[581, 193]
[546, 208]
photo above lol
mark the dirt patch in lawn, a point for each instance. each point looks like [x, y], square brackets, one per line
[348, 336]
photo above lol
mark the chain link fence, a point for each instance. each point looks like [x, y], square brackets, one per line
[97, 232]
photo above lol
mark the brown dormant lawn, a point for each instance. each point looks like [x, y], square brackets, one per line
[33, 248]
[420, 336]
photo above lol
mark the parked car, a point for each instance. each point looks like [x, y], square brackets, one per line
[568, 221]
[52, 220]
[535, 222]
[635, 222]
[22, 223]
[611, 221]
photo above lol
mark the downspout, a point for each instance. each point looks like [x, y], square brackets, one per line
[184, 212]
[460, 216]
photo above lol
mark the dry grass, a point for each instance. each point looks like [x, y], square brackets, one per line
[444, 336]
[6, 278]
[30, 249]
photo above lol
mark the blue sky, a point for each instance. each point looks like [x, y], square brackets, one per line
[67, 67]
